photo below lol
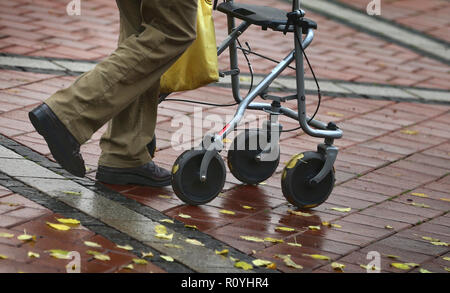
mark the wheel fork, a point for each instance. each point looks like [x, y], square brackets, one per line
[330, 152]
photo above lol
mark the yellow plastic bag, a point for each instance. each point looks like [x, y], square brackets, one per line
[198, 66]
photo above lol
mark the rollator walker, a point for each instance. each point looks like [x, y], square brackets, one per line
[198, 175]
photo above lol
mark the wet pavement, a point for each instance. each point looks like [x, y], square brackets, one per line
[392, 169]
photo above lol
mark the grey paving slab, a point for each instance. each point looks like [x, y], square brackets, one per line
[429, 95]
[17, 167]
[389, 92]
[28, 62]
[7, 153]
[75, 66]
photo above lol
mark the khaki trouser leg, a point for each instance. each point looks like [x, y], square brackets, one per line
[124, 142]
[120, 85]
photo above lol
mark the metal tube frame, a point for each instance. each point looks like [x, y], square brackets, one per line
[320, 128]
[296, 55]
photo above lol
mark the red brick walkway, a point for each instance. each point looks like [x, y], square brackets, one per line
[430, 16]
[392, 170]
[18, 215]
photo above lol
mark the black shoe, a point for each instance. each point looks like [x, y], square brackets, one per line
[63, 146]
[149, 175]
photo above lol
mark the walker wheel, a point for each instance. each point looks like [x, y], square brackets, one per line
[186, 177]
[151, 147]
[296, 176]
[242, 160]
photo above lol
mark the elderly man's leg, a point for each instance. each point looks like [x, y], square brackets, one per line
[168, 28]
[125, 158]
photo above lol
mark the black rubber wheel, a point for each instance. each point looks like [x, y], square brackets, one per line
[242, 157]
[295, 180]
[186, 177]
[152, 147]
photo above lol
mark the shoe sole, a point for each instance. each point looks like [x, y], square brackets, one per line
[129, 179]
[41, 121]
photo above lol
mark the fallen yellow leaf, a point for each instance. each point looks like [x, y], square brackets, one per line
[167, 221]
[233, 259]
[338, 266]
[342, 210]
[139, 261]
[288, 261]
[6, 235]
[446, 258]
[439, 243]
[409, 132]
[293, 161]
[92, 244]
[26, 237]
[388, 227]
[247, 207]
[164, 196]
[125, 247]
[160, 229]
[318, 256]
[273, 240]
[445, 199]
[294, 244]
[167, 258]
[261, 262]
[59, 254]
[272, 266]
[227, 212]
[424, 271]
[243, 265]
[447, 269]
[128, 267]
[284, 229]
[165, 236]
[335, 114]
[191, 227]
[102, 257]
[298, 213]
[314, 228]
[184, 216]
[420, 205]
[419, 194]
[69, 221]
[170, 245]
[147, 254]
[2, 256]
[391, 256]
[59, 227]
[252, 238]
[72, 192]
[33, 254]
[400, 266]
[222, 252]
[194, 242]
[430, 239]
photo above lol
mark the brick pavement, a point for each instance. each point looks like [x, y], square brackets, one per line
[390, 150]
[430, 17]
[19, 215]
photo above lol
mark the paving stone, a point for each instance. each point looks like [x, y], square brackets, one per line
[25, 168]
[414, 246]
[7, 153]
